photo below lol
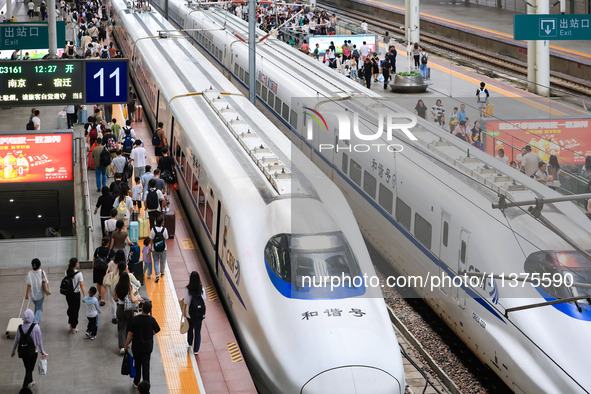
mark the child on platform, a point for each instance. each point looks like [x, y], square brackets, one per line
[147, 257]
[136, 193]
[92, 311]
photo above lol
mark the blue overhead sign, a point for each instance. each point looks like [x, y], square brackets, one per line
[552, 27]
[106, 81]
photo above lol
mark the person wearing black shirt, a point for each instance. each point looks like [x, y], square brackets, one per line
[99, 270]
[140, 333]
[166, 167]
[105, 202]
[366, 71]
[386, 67]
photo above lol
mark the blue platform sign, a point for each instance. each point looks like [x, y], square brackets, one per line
[106, 81]
[552, 27]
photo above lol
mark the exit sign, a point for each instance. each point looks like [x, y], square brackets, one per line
[552, 27]
[29, 35]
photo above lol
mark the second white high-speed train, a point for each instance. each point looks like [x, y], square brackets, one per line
[428, 210]
[266, 218]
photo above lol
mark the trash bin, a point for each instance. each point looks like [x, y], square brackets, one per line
[62, 120]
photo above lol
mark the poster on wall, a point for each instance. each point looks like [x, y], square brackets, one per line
[35, 157]
[568, 139]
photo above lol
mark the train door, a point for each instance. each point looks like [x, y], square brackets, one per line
[462, 261]
[446, 255]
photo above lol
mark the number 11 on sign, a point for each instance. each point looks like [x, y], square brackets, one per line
[101, 75]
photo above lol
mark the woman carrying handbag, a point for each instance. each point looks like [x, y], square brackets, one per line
[37, 287]
[194, 310]
[126, 303]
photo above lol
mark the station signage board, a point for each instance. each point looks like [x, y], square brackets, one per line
[567, 139]
[56, 82]
[324, 42]
[29, 35]
[35, 157]
[552, 27]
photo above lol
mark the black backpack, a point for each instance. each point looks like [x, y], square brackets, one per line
[423, 59]
[105, 157]
[156, 141]
[115, 188]
[67, 285]
[31, 125]
[197, 307]
[159, 242]
[152, 199]
[26, 345]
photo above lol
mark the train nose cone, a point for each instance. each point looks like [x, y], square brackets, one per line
[353, 380]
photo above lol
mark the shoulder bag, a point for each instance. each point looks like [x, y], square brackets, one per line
[45, 284]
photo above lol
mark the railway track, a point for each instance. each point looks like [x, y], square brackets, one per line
[487, 62]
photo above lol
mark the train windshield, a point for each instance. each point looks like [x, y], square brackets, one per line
[305, 265]
[570, 266]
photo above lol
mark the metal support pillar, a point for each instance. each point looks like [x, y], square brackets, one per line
[52, 31]
[252, 51]
[166, 9]
[531, 58]
[543, 57]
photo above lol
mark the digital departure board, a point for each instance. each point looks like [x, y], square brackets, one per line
[56, 82]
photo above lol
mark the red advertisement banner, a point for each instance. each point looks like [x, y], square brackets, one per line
[567, 139]
[35, 157]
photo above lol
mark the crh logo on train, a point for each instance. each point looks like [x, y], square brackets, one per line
[348, 121]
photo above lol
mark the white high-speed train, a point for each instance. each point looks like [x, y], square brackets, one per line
[427, 209]
[266, 218]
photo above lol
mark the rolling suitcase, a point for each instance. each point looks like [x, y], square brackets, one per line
[144, 228]
[134, 215]
[139, 116]
[428, 73]
[170, 223]
[14, 322]
[490, 110]
[62, 120]
[82, 116]
[134, 232]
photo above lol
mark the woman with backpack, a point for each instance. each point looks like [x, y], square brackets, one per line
[123, 204]
[194, 310]
[71, 286]
[34, 282]
[28, 339]
[159, 235]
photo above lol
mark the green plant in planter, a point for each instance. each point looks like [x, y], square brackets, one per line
[408, 74]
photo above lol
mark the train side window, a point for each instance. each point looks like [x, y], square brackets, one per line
[236, 67]
[278, 105]
[423, 230]
[258, 88]
[264, 94]
[403, 213]
[445, 233]
[463, 252]
[209, 218]
[189, 173]
[345, 163]
[195, 188]
[369, 184]
[355, 172]
[201, 202]
[246, 78]
[285, 111]
[271, 99]
[293, 119]
[386, 197]
[241, 74]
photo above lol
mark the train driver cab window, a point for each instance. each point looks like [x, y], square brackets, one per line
[296, 261]
[570, 266]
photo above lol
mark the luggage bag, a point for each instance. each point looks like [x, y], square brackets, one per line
[170, 223]
[14, 322]
[134, 232]
[139, 116]
[134, 215]
[144, 227]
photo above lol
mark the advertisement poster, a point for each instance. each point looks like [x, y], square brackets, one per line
[567, 139]
[324, 42]
[35, 157]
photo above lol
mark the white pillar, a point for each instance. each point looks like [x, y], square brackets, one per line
[543, 57]
[414, 20]
[8, 10]
[51, 29]
[531, 58]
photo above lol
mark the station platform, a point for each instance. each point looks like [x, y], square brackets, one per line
[492, 21]
[76, 364]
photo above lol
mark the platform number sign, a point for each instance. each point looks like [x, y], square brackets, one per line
[106, 81]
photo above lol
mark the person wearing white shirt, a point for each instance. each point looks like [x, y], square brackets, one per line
[138, 159]
[159, 256]
[364, 51]
[364, 26]
[36, 120]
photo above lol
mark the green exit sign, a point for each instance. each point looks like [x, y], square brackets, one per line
[29, 35]
[552, 27]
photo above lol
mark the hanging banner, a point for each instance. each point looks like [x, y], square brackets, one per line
[35, 157]
[567, 139]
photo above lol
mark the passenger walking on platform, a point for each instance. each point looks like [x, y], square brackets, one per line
[34, 282]
[100, 262]
[31, 9]
[115, 128]
[519, 158]
[437, 110]
[29, 329]
[424, 61]
[111, 223]
[453, 120]
[110, 280]
[143, 388]
[101, 162]
[147, 257]
[166, 166]
[391, 55]
[159, 235]
[154, 202]
[462, 113]
[92, 311]
[141, 336]
[476, 136]
[131, 98]
[124, 290]
[120, 237]
[160, 184]
[162, 138]
[482, 98]
[118, 164]
[421, 109]
[461, 131]
[105, 203]
[366, 72]
[194, 310]
[316, 53]
[364, 51]
[541, 175]
[124, 204]
[416, 54]
[530, 162]
[36, 120]
[136, 193]
[145, 179]
[127, 139]
[73, 297]
[138, 158]
[386, 68]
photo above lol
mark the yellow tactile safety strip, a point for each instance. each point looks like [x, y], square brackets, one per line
[212, 295]
[234, 351]
[178, 368]
[188, 243]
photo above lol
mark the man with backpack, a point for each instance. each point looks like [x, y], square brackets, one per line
[423, 67]
[482, 98]
[127, 138]
[154, 202]
[118, 163]
[159, 235]
[102, 159]
[159, 139]
[27, 339]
